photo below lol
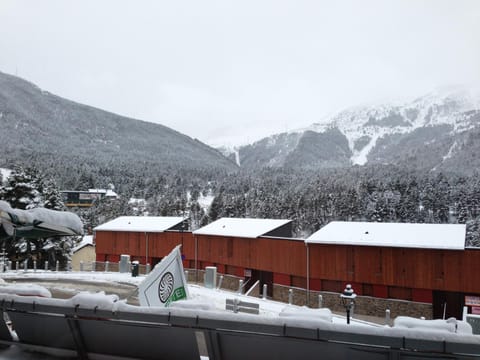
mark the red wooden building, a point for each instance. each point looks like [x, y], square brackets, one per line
[146, 239]
[417, 262]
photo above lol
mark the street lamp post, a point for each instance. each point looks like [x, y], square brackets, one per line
[348, 300]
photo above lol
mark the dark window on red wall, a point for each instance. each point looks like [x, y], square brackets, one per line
[300, 282]
[315, 284]
[282, 279]
[399, 293]
[422, 295]
[230, 270]
[333, 285]
[220, 268]
[380, 291]
[204, 264]
[367, 289]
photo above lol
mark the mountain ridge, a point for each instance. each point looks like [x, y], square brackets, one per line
[38, 125]
[374, 132]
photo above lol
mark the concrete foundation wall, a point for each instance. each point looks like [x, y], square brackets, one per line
[365, 305]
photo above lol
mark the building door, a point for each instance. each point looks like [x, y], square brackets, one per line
[448, 303]
[155, 261]
[265, 277]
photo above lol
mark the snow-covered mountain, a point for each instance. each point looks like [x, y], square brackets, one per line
[40, 128]
[437, 130]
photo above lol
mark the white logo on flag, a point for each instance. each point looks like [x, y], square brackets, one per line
[165, 288]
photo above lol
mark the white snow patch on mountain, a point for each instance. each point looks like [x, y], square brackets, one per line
[444, 106]
[360, 157]
[237, 156]
[450, 151]
[205, 201]
[227, 151]
[5, 173]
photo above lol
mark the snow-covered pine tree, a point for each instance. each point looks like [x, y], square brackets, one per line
[216, 207]
[52, 199]
[27, 189]
[22, 189]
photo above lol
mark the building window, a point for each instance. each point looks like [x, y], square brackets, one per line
[400, 293]
[298, 281]
[367, 290]
[230, 270]
[333, 285]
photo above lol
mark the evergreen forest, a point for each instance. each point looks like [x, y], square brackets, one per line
[310, 198]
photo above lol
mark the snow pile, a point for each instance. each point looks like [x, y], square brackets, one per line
[74, 276]
[42, 215]
[98, 300]
[25, 290]
[450, 325]
[304, 312]
[193, 304]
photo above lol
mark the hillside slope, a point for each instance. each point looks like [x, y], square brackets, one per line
[36, 124]
[437, 131]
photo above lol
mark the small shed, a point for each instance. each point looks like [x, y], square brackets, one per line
[84, 251]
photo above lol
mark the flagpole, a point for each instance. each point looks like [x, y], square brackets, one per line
[196, 259]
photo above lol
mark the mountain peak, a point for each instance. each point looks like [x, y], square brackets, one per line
[373, 131]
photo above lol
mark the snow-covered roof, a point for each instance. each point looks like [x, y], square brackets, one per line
[428, 236]
[137, 201]
[100, 191]
[107, 192]
[239, 227]
[87, 240]
[141, 223]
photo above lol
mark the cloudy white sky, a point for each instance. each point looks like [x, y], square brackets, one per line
[229, 72]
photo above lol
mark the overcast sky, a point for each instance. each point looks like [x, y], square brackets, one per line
[234, 71]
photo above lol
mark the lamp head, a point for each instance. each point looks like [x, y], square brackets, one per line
[348, 296]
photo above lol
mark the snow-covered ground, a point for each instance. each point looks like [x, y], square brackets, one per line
[63, 281]
[36, 282]
[211, 302]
